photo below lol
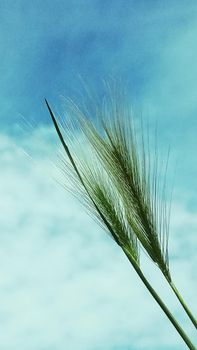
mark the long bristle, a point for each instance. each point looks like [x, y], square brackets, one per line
[118, 184]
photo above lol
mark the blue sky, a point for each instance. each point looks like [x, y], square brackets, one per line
[53, 296]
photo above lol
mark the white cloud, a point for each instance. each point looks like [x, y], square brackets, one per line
[63, 282]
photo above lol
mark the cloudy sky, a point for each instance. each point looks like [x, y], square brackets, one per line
[63, 282]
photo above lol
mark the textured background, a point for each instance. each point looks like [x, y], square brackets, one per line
[63, 282]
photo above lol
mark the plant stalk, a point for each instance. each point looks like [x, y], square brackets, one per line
[176, 292]
[159, 301]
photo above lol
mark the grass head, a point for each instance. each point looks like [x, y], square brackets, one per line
[119, 181]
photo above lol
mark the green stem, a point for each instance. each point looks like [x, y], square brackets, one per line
[159, 301]
[192, 318]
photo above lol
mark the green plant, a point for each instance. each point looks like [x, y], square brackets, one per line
[122, 191]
